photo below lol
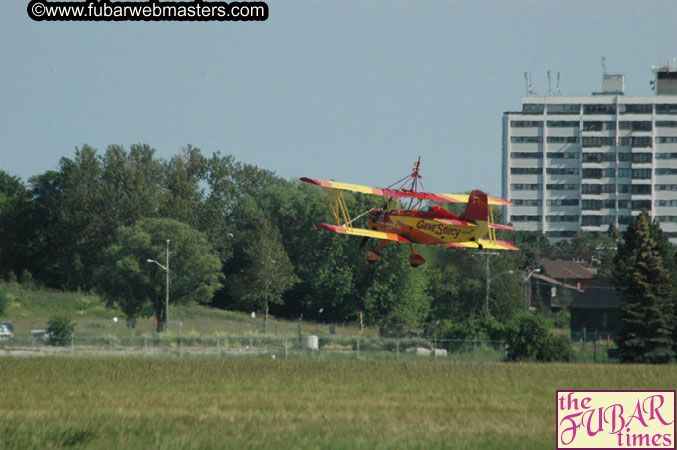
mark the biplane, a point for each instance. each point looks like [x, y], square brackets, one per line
[405, 219]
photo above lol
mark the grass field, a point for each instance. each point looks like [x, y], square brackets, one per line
[250, 402]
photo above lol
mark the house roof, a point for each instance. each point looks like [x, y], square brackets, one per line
[554, 282]
[600, 295]
[560, 269]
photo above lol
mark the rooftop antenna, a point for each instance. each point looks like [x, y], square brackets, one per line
[529, 87]
[549, 85]
[603, 65]
[557, 88]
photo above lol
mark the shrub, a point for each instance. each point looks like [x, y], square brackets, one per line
[60, 329]
[528, 338]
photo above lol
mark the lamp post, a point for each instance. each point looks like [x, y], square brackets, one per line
[526, 290]
[489, 280]
[166, 269]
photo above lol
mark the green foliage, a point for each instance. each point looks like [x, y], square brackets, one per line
[138, 287]
[528, 338]
[477, 326]
[642, 271]
[60, 329]
[4, 303]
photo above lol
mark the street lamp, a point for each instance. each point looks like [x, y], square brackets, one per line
[525, 288]
[489, 280]
[166, 269]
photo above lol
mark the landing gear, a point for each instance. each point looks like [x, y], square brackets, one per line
[415, 259]
[374, 254]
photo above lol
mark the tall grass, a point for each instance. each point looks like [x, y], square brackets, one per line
[209, 402]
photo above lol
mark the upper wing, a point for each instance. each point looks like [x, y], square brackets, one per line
[395, 193]
[492, 245]
[362, 232]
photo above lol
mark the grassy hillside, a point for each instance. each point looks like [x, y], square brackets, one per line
[32, 308]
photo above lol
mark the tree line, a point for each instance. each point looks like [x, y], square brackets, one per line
[241, 237]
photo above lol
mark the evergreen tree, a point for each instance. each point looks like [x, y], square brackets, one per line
[642, 278]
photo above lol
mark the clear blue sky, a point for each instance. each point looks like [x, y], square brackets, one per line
[347, 90]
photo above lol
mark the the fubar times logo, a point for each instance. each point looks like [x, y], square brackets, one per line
[616, 419]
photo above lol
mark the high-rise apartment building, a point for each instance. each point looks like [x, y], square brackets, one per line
[575, 163]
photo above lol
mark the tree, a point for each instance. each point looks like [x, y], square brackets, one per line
[138, 287]
[528, 338]
[60, 329]
[266, 273]
[642, 279]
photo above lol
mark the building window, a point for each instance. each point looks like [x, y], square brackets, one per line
[667, 218]
[641, 157]
[526, 187]
[591, 189]
[666, 187]
[526, 123]
[623, 204]
[641, 174]
[609, 173]
[636, 109]
[564, 109]
[563, 123]
[562, 218]
[666, 202]
[525, 218]
[562, 139]
[526, 139]
[608, 188]
[598, 141]
[532, 108]
[625, 220]
[562, 187]
[624, 188]
[562, 171]
[666, 155]
[670, 108]
[521, 202]
[666, 171]
[644, 125]
[592, 173]
[599, 109]
[666, 123]
[526, 170]
[642, 189]
[641, 204]
[599, 157]
[593, 221]
[624, 156]
[563, 155]
[609, 204]
[591, 205]
[563, 202]
[526, 155]
[636, 141]
[624, 173]
[666, 140]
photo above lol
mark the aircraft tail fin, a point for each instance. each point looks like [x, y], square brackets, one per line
[477, 208]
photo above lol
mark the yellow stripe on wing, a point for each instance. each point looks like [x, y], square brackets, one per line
[362, 232]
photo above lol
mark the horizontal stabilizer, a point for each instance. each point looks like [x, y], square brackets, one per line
[499, 226]
[362, 232]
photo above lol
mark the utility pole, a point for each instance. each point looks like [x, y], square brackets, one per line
[167, 292]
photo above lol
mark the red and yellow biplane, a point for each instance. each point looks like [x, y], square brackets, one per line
[414, 224]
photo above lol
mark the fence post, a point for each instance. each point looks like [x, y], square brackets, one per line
[145, 346]
[251, 346]
[358, 348]
[398, 348]
[435, 349]
[594, 349]
[72, 347]
[285, 347]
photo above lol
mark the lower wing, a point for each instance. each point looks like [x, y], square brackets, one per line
[362, 232]
[481, 243]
